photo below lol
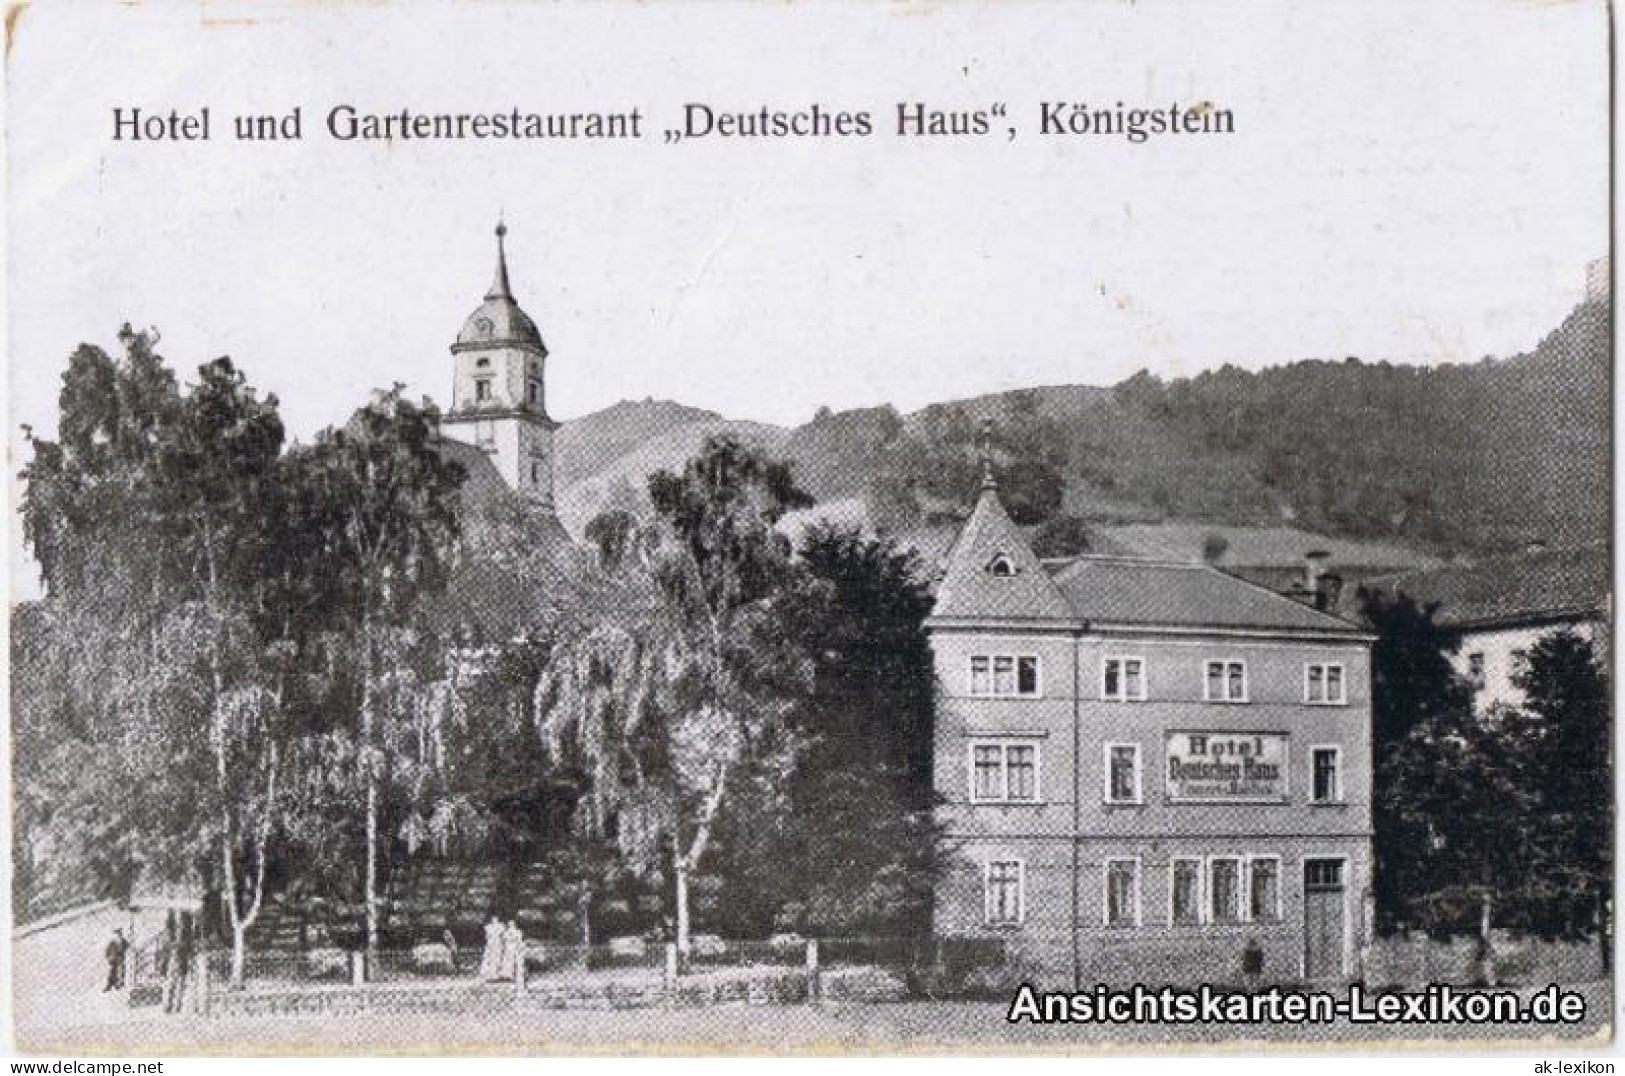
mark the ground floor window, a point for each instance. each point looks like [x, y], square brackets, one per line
[1224, 889]
[1186, 899]
[1122, 892]
[1264, 889]
[1003, 893]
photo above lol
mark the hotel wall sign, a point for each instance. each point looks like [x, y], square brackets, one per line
[1227, 767]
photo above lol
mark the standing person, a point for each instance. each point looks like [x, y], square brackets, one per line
[491, 958]
[117, 949]
[449, 940]
[166, 945]
[514, 950]
[180, 966]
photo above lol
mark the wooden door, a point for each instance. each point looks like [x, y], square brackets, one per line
[1324, 918]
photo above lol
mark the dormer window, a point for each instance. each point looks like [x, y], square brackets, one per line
[484, 325]
[1002, 566]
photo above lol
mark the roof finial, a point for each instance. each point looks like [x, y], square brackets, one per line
[985, 450]
[499, 286]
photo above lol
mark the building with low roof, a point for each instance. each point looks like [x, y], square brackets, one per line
[1501, 606]
[1147, 767]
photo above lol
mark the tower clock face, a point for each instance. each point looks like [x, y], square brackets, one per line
[484, 326]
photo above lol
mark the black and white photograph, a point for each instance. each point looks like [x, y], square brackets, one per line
[786, 529]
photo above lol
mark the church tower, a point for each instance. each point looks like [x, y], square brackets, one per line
[498, 398]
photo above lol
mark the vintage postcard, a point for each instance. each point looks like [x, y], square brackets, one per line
[768, 528]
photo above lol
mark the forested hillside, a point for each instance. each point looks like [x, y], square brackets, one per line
[1467, 458]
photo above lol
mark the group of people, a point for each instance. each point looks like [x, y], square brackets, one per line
[504, 955]
[175, 952]
[172, 959]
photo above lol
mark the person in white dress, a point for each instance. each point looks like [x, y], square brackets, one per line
[514, 950]
[491, 958]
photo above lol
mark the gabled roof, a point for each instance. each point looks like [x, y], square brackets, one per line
[992, 575]
[1552, 584]
[970, 588]
[1126, 590]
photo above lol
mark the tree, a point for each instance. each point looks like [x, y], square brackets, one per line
[1540, 771]
[664, 713]
[178, 594]
[214, 468]
[1062, 536]
[1566, 695]
[1453, 772]
[831, 828]
[385, 500]
[1413, 685]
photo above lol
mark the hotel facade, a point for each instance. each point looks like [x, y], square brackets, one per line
[1150, 771]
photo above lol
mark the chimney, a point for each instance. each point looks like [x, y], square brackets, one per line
[1329, 587]
[1314, 562]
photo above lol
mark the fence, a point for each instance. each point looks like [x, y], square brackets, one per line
[1517, 960]
[623, 972]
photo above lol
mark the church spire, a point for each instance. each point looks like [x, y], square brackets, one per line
[499, 286]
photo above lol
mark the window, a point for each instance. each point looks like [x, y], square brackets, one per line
[1323, 684]
[535, 473]
[482, 389]
[1224, 889]
[1122, 892]
[483, 364]
[1325, 774]
[1123, 680]
[1226, 681]
[1475, 670]
[1001, 566]
[535, 393]
[1239, 889]
[1004, 772]
[1186, 897]
[1264, 889]
[1004, 675]
[1322, 873]
[1002, 892]
[1122, 773]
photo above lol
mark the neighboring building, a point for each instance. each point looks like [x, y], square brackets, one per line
[1275, 557]
[1503, 605]
[1145, 765]
[498, 394]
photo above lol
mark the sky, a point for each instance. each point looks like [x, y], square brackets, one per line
[1411, 182]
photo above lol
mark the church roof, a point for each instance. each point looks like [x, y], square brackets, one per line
[513, 559]
[499, 321]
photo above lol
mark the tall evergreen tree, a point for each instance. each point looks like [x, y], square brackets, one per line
[1566, 694]
[1413, 685]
